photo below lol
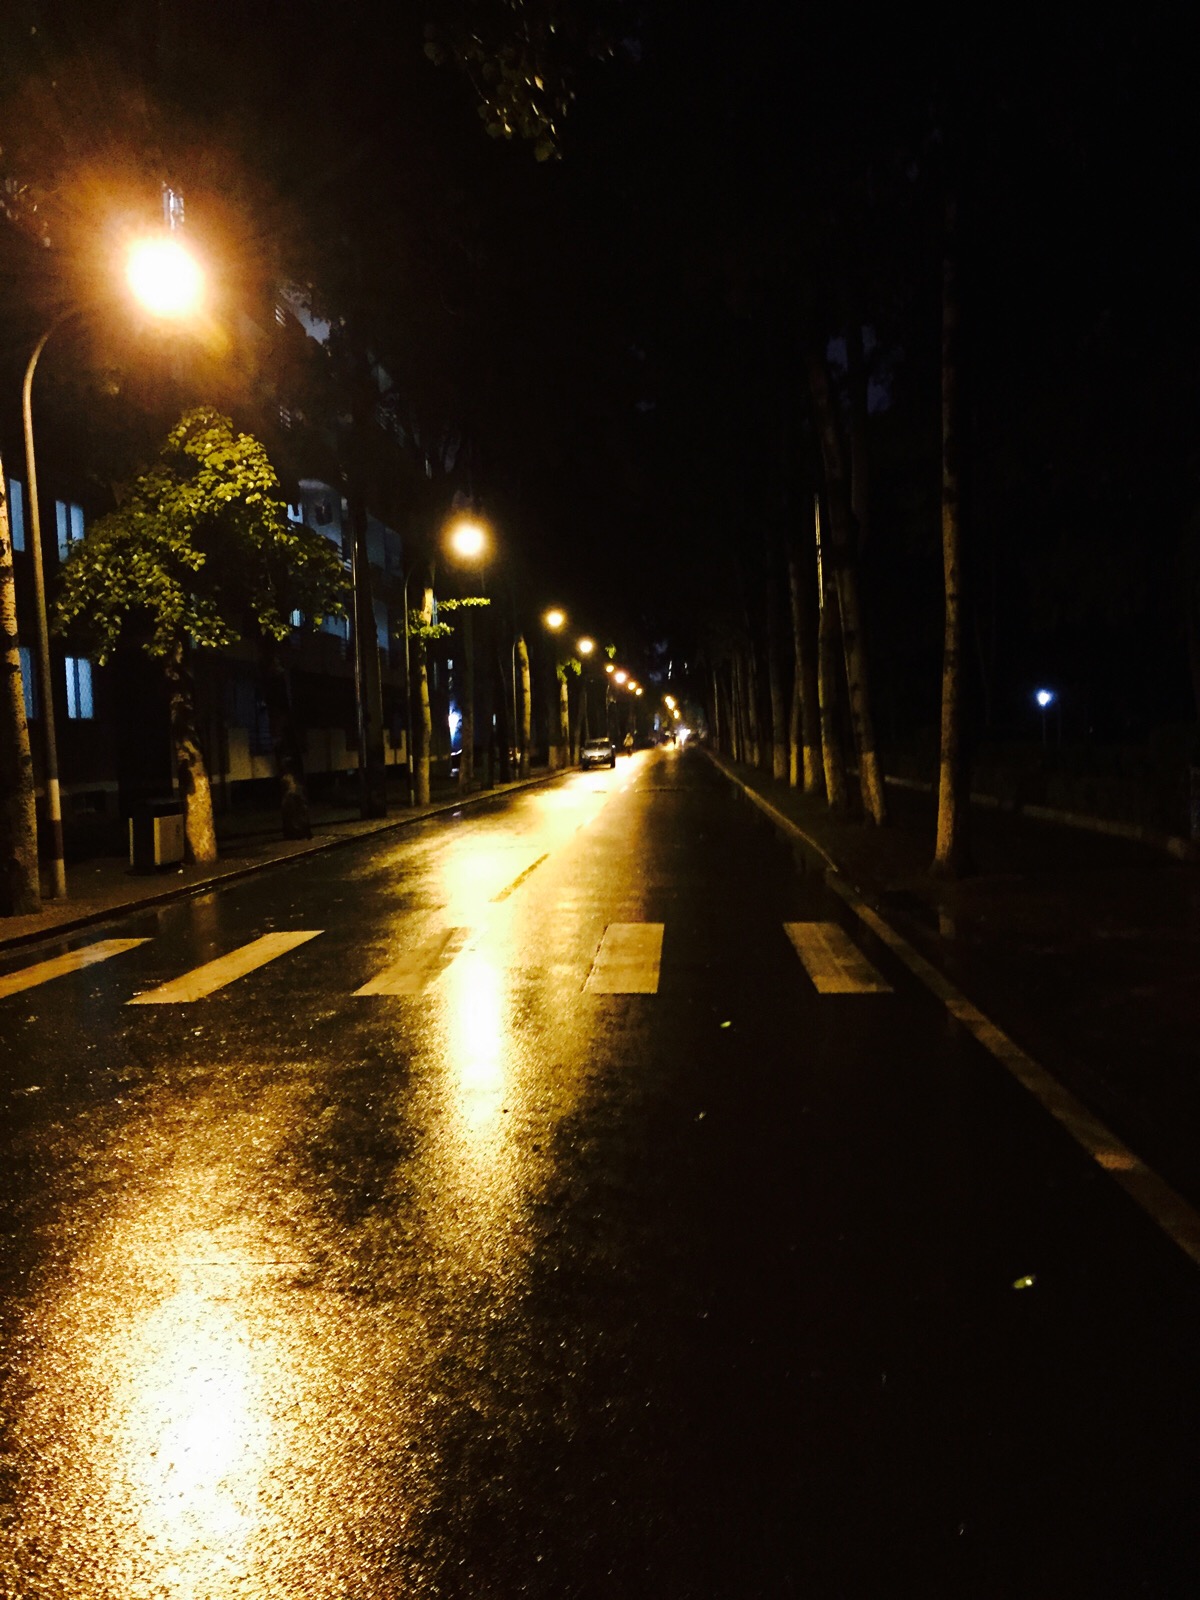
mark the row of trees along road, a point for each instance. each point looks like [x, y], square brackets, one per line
[799, 266]
[886, 261]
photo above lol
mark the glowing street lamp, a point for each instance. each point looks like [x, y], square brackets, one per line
[164, 277]
[585, 646]
[468, 539]
[554, 619]
[620, 676]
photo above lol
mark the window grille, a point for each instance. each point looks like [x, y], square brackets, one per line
[79, 688]
[28, 682]
[69, 518]
[16, 512]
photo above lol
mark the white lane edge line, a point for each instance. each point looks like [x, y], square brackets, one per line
[1165, 1206]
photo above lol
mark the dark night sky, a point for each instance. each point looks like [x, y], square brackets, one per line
[621, 329]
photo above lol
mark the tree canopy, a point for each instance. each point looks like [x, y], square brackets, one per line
[201, 550]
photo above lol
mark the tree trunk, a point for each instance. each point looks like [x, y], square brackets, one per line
[20, 890]
[564, 719]
[466, 755]
[952, 852]
[750, 686]
[286, 742]
[424, 719]
[367, 676]
[737, 702]
[199, 829]
[779, 726]
[806, 705]
[525, 698]
[842, 551]
[832, 757]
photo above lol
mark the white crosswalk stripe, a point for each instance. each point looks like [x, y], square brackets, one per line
[833, 963]
[214, 975]
[413, 971]
[59, 966]
[628, 959]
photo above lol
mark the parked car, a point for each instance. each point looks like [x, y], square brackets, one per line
[598, 753]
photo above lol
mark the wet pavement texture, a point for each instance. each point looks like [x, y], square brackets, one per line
[512, 1281]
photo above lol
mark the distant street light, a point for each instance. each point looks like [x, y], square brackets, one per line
[620, 676]
[1045, 699]
[167, 281]
[554, 619]
[585, 646]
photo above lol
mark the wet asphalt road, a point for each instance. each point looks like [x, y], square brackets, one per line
[503, 1286]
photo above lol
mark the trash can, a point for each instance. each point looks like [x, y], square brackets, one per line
[156, 835]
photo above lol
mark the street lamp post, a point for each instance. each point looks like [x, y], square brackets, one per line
[57, 859]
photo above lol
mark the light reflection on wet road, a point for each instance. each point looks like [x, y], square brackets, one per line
[488, 1286]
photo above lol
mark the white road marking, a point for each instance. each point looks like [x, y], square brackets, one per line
[627, 960]
[43, 971]
[834, 964]
[415, 969]
[1162, 1204]
[213, 975]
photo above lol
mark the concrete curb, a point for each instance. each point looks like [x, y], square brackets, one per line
[234, 874]
[1164, 1206]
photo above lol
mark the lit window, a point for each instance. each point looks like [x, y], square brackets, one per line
[16, 513]
[69, 517]
[28, 682]
[297, 619]
[79, 688]
[295, 513]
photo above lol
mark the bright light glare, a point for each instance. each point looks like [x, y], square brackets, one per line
[467, 539]
[620, 676]
[637, 691]
[633, 686]
[1044, 698]
[670, 699]
[608, 667]
[554, 619]
[586, 646]
[164, 278]
[675, 712]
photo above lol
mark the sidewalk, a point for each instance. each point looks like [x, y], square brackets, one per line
[1082, 947]
[249, 841]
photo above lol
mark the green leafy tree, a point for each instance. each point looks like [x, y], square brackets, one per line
[199, 555]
